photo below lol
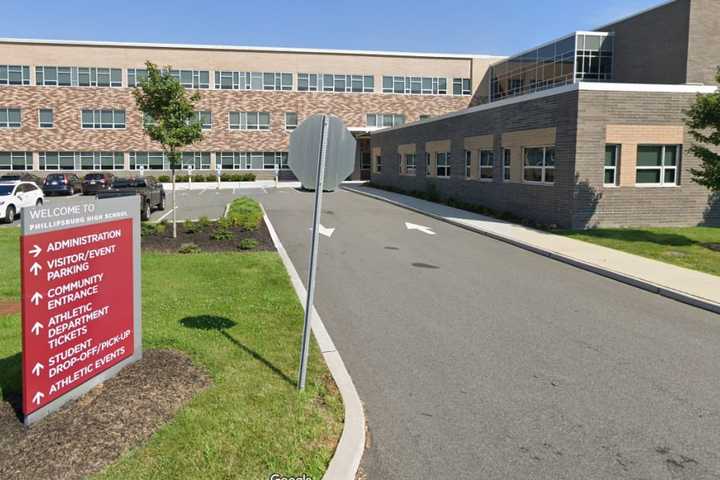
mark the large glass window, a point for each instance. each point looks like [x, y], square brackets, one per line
[461, 86]
[415, 85]
[78, 76]
[409, 161]
[149, 161]
[99, 77]
[487, 164]
[14, 75]
[539, 165]
[335, 82]
[657, 164]
[192, 78]
[10, 118]
[507, 162]
[385, 119]
[15, 160]
[195, 160]
[468, 164]
[442, 168]
[82, 161]
[204, 119]
[45, 118]
[249, 120]
[103, 119]
[253, 160]
[576, 57]
[231, 80]
[291, 120]
[610, 169]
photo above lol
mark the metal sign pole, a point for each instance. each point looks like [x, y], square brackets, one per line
[313, 253]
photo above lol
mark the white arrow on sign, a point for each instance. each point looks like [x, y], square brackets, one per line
[36, 298]
[35, 251]
[35, 269]
[412, 226]
[36, 328]
[38, 398]
[37, 369]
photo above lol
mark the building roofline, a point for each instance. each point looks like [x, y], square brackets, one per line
[238, 48]
[579, 86]
[636, 14]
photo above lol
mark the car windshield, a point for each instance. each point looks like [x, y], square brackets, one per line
[128, 183]
[56, 176]
[6, 189]
[94, 176]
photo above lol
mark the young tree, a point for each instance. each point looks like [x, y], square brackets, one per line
[171, 114]
[703, 119]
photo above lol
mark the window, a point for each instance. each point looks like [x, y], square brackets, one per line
[204, 119]
[365, 161]
[16, 161]
[291, 120]
[78, 76]
[45, 118]
[149, 161]
[410, 163]
[378, 163]
[229, 80]
[135, 75]
[442, 168]
[487, 164]
[249, 120]
[424, 117]
[253, 160]
[415, 85]
[82, 161]
[468, 164]
[657, 165]
[331, 82]
[384, 120]
[612, 154]
[195, 160]
[507, 162]
[10, 118]
[539, 165]
[99, 77]
[103, 119]
[192, 78]
[461, 86]
[14, 75]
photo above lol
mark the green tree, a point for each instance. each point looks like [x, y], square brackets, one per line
[170, 111]
[703, 119]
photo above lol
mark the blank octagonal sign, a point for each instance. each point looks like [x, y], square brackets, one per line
[304, 152]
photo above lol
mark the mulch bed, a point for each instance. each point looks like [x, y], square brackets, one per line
[165, 242]
[92, 432]
[9, 307]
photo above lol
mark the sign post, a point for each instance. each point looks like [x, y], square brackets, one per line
[321, 154]
[81, 317]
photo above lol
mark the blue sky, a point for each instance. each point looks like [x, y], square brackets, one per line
[479, 26]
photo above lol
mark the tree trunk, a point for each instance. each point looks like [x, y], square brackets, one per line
[174, 206]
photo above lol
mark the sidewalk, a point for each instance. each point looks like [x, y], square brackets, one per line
[681, 284]
[258, 184]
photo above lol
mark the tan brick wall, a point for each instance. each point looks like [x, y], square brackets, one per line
[67, 102]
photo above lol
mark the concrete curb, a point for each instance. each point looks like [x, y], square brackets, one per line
[670, 293]
[346, 460]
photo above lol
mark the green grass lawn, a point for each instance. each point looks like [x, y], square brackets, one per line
[686, 247]
[252, 421]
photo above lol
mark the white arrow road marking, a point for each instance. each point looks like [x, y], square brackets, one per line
[36, 298]
[38, 398]
[36, 328]
[325, 231]
[424, 229]
[37, 369]
[35, 251]
[35, 268]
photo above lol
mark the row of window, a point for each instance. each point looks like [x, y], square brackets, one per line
[656, 165]
[233, 80]
[116, 119]
[142, 160]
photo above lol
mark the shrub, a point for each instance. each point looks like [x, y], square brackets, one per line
[164, 179]
[226, 177]
[245, 212]
[198, 178]
[211, 178]
[161, 228]
[191, 227]
[181, 178]
[225, 223]
[187, 248]
[236, 177]
[248, 244]
[148, 229]
[222, 234]
[203, 222]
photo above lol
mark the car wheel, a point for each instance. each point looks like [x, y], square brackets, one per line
[161, 205]
[145, 214]
[10, 214]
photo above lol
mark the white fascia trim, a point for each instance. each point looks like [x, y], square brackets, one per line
[247, 49]
[580, 86]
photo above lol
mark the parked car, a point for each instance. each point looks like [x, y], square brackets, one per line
[16, 195]
[24, 177]
[151, 192]
[62, 184]
[96, 182]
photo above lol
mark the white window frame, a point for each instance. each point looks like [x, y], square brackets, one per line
[377, 168]
[7, 70]
[200, 117]
[379, 120]
[96, 159]
[165, 164]
[98, 124]
[245, 124]
[291, 126]
[415, 85]
[662, 168]
[468, 164]
[543, 168]
[7, 123]
[486, 153]
[507, 165]
[26, 157]
[462, 83]
[195, 80]
[614, 168]
[445, 165]
[40, 122]
[410, 167]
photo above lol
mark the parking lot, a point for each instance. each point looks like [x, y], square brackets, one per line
[192, 204]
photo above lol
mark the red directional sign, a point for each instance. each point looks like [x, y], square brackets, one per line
[78, 307]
